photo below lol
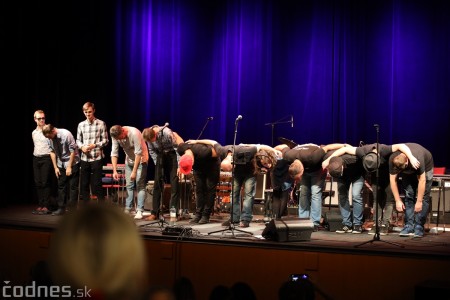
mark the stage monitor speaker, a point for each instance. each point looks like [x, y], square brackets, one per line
[260, 187]
[333, 219]
[435, 197]
[292, 230]
[148, 202]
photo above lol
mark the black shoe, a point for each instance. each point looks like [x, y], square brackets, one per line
[244, 224]
[58, 212]
[195, 220]
[317, 228]
[36, 211]
[204, 220]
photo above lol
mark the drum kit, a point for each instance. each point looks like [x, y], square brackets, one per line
[223, 193]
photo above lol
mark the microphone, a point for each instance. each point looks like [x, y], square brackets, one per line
[292, 121]
[239, 118]
[165, 125]
[210, 118]
[376, 125]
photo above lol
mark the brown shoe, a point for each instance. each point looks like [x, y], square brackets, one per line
[204, 220]
[150, 218]
[44, 211]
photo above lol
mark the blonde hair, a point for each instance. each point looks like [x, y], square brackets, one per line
[99, 247]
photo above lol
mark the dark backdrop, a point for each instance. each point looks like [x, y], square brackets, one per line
[336, 67]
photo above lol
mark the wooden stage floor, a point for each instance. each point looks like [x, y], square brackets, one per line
[434, 242]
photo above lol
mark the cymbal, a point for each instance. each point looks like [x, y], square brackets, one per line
[290, 143]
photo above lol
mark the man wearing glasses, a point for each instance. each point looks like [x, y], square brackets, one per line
[42, 164]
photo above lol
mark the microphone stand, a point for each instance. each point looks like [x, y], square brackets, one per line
[201, 132]
[280, 121]
[231, 226]
[376, 236]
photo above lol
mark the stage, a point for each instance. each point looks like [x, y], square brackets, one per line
[224, 255]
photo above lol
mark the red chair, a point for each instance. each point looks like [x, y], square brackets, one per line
[118, 186]
[439, 170]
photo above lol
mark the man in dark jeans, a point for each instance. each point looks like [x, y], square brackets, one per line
[417, 186]
[92, 137]
[162, 143]
[205, 161]
[66, 163]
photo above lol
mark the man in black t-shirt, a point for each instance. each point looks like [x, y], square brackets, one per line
[380, 184]
[249, 160]
[417, 186]
[305, 167]
[205, 162]
[348, 170]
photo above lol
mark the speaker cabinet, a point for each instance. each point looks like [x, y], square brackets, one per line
[260, 187]
[292, 230]
[148, 201]
[333, 219]
[435, 199]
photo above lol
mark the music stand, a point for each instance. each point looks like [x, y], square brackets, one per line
[376, 236]
[231, 226]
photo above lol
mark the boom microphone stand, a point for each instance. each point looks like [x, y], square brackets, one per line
[376, 236]
[281, 121]
[231, 226]
[201, 132]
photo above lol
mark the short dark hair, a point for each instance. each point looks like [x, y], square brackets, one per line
[47, 129]
[115, 131]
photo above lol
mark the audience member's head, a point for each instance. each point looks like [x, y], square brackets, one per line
[221, 292]
[98, 247]
[242, 291]
[160, 293]
[302, 289]
[184, 289]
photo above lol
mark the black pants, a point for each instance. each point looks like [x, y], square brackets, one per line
[42, 167]
[70, 184]
[206, 178]
[91, 179]
[166, 164]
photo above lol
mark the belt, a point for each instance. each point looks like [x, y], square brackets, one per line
[42, 156]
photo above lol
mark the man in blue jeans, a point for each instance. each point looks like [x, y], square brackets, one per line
[348, 170]
[249, 161]
[379, 181]
[417, 186]
[305, 167]
[136, 163]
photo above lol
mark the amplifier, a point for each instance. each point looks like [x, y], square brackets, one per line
[435, 199]
[333, 219]
[177, 231]
[292, 230]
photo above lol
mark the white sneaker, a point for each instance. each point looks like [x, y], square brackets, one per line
[127, 211]
[138, 215]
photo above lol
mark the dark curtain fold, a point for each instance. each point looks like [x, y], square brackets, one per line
[337, 67]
